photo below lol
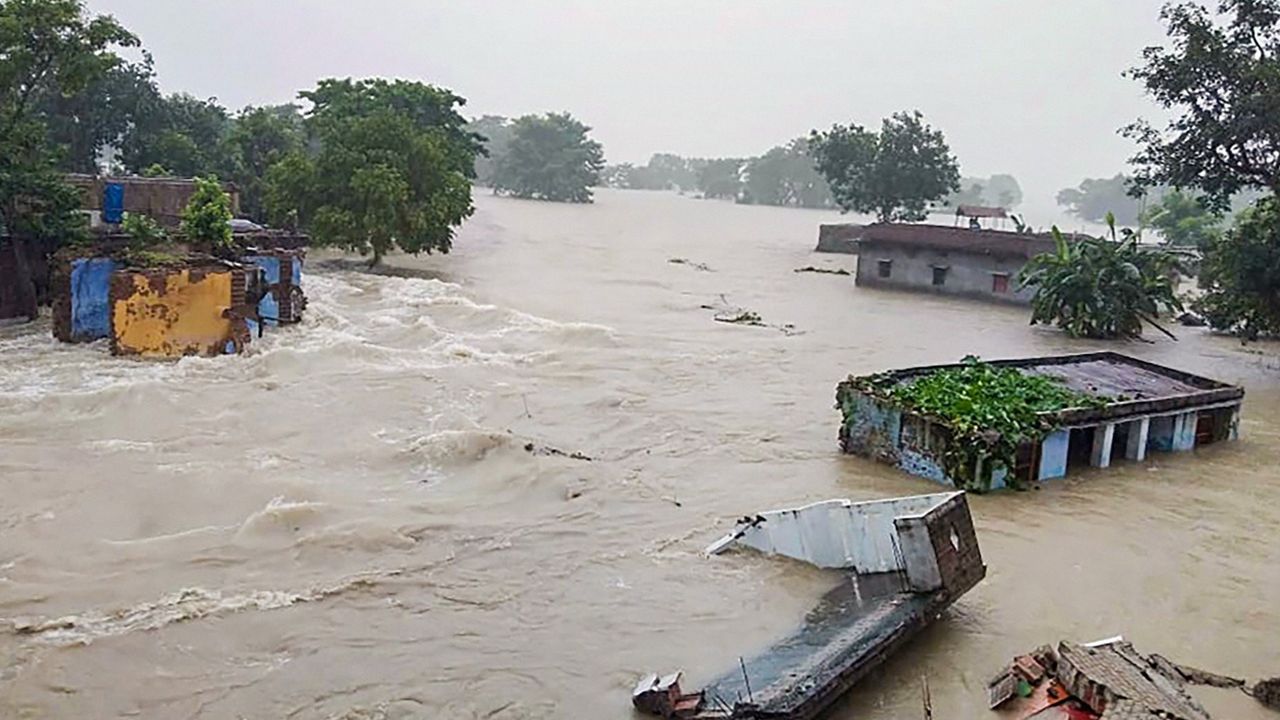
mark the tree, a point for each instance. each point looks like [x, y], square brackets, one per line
[1183, 219]
[495, 134]
[785, 176]
[44, 44]
[1101, 287]
[385, 165]
[1240, 274]
[996, 191]
[260, 137]
[1003, 190]
[180, 132]
[1222, 83]
[1094, 198]
[721, 178]
[894, 174]
[550, 157]
[206, 220]
[81, 124]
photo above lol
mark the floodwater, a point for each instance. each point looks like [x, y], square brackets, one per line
[346, 522]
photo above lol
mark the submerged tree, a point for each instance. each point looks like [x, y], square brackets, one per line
[1101, 287]
[720, 178]
[550, 157]
[894, 174]
[385, 165]
[785, 176]
[1094, 198]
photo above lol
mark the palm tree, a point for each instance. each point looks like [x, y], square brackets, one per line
[1102, 287]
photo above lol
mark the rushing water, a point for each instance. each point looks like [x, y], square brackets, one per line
[346, 522]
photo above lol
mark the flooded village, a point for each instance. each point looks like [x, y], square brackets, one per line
[656, 454]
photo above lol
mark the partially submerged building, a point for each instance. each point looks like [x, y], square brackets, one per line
[907, 559]
[976, 263]
[1137, 407]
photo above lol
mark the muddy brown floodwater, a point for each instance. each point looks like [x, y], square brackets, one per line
[346, 523]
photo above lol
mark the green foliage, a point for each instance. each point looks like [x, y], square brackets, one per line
[384, 165]
[721, 178]
[206, 220]
[664, 171]
[494, 132]
[1240, 274]
[1184, 220]
[786, 176]
[155, 170]
[143, 231]
[1094, 198]
[1220, 78]
[550, 157]
[1101, 287]
[894, 174]
[82, 123]
[47, 46]
[996, 191]
[990, 410]
[183, 133]
[260, 137]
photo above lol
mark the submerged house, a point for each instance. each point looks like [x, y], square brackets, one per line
[905, 560]
[1121, 408]
[977, 263]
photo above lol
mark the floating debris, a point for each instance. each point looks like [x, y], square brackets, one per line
[907, 559]
[827, 271]
[744, 317]
[701, 267]
[534, 449]
[1109, 679]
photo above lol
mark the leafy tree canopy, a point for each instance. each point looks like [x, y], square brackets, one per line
[550, 157]
[1240, 274]
[1101, 287]
[996, 191]
[206, 220]
[180, 132]
[1183, 219]
[258, 138]
[1220, 76]
[1094, 198]
[894, 174]
[495, 134]
[384, 165]
[47, 46]
[786, 176]
[721, 178]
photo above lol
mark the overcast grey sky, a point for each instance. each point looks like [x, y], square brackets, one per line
[1030, 87]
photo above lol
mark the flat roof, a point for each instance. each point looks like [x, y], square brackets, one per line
[959, 239]
[1134, 386]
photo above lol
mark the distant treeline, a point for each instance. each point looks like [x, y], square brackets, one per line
[784, 176]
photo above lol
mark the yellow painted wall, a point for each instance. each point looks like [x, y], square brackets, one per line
[184, 317]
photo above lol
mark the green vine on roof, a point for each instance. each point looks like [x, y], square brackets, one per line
[990, 410]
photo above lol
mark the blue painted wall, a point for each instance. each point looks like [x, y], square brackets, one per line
[269, 307]
[1184, 437]
[920, 464]
[1053, 454]
[1160, 434]
[90, 305]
